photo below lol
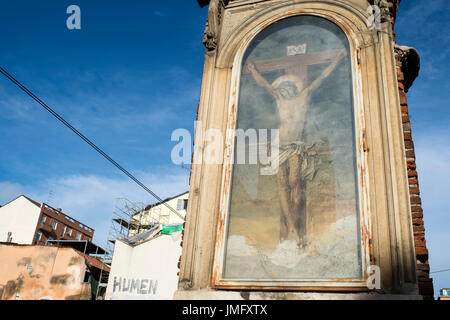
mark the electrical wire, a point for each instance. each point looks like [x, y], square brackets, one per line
[89, 142]
[440, 271]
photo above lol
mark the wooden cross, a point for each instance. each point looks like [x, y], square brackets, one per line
[297, 65]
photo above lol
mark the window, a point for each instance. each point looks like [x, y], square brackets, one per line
[78, 236]
[38, 237]
[54, 224]
[69, 232]
[63, 231]
[301, 221]
[9, 237]
[43, 219]
[182, 204]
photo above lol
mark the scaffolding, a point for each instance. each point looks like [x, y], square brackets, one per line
[156, 215]
[123, 221]
[131, 218]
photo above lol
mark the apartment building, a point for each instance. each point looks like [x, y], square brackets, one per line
[26, 221]
[161, 213]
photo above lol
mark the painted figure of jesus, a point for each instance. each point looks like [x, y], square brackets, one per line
[296, 160]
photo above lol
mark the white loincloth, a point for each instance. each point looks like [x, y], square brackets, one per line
[309, 156]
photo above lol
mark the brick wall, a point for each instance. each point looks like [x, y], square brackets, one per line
[423, 267]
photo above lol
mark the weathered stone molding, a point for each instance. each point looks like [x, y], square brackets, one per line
[212, 30]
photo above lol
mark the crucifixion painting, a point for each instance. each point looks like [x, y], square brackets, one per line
[297, 162]
[302, 221]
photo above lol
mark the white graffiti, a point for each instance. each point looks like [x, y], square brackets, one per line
[137, 286]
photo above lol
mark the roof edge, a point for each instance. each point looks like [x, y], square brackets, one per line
[164, 201]
[37, 204]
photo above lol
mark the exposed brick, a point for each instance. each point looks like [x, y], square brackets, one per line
[423, 267]
[422, 274]
[407, 127]
[418, 228]
[403, 100]
[411, 165]
[426, 288]
[416, 200]
[419, 237]
[409, 145]
[417, 215]
[412, 173]
[405, 119]
[422, 254]
[407, 136]
[420, 243]
[410, 154]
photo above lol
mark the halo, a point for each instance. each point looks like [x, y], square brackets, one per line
[287, 77]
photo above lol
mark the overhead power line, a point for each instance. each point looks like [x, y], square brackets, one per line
[440, 271]
[89, 142]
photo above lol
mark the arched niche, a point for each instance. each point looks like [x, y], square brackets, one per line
[301, 222]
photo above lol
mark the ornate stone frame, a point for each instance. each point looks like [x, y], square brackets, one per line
[386, 231]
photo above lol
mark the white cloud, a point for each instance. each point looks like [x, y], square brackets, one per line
[16, 106]
[9, 191]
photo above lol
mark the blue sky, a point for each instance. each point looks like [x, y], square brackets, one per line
[127, 79]
[424, 25]
[132, 75]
